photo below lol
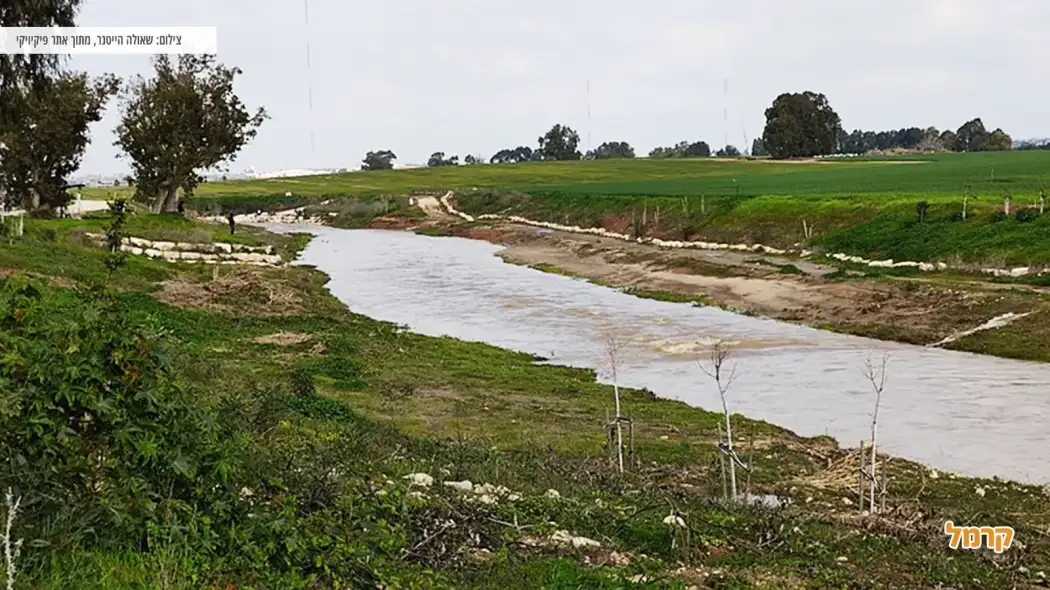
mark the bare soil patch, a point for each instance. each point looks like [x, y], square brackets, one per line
[283, 338]
[62, 282]
[394, 222]
[240, 291]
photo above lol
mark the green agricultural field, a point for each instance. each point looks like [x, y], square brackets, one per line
[867, 207]
[988, 173]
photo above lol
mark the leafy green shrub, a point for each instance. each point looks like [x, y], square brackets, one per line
[998, 216]
[921, 208]
[243, 204]
[303, 383]
[1026, 214]
[115, 234]
[97, 432]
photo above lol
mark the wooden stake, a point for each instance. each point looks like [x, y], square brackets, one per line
[860, 479]
[885, 484]
[722, 464]
[630, 438]
[608, 438]
[750, 463]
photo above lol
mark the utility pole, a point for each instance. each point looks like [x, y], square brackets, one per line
[309, 74]
[725, 110]
[589, 147]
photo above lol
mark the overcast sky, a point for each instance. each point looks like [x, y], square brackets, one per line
[475, 76]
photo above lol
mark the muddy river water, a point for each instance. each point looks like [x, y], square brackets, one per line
[966, 413]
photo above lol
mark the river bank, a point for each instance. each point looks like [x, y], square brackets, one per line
[392, 404]
[908, 309]
[461, 296]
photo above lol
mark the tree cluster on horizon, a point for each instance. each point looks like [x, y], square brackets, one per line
[187, 118]
[970, 137]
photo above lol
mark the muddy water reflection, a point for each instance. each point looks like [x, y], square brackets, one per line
[967, 413]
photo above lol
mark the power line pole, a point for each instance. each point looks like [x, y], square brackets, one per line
[725, 110]
[309, 74]
[589, 115]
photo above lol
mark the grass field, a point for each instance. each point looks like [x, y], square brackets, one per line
[988, 174]
[325, 411]
[866, 206]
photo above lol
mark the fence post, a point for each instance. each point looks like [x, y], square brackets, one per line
[860, 479]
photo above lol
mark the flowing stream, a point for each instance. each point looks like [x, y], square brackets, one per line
[971, 414]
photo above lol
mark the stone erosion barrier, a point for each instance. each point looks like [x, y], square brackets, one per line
[215, 253]
[599, 231]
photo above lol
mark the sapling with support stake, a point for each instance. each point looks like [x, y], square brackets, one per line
[876, 375]
[717, 370]
[613, 356]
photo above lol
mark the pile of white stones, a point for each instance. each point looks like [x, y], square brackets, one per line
[599, 231]
[215, 253]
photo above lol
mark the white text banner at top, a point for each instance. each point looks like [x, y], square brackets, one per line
[108, 40]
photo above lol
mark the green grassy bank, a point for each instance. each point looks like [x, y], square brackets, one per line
[864, 206]
[184, 429]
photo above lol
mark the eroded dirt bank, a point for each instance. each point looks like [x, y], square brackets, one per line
[913, 310]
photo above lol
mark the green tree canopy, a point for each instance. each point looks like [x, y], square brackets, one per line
[729, 151]
[183, 121]
[24, 70]
[683, 149]
[378, 160]
[801, 125]
[560, 143]
[521, 153]
[37, 147]
[439, 159]
[971, 136]
[758, 148]
[611, 149]
[43, 144]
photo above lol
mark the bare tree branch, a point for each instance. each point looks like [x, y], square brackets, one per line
[720, 353]
[876, 375]
[613, 349]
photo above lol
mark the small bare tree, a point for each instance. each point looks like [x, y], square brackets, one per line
[613, 350]
[876, 375]
[717, 370]
[11, 548]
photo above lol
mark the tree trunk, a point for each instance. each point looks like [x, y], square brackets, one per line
[619, 426]
[171, 201]
[729, 443]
